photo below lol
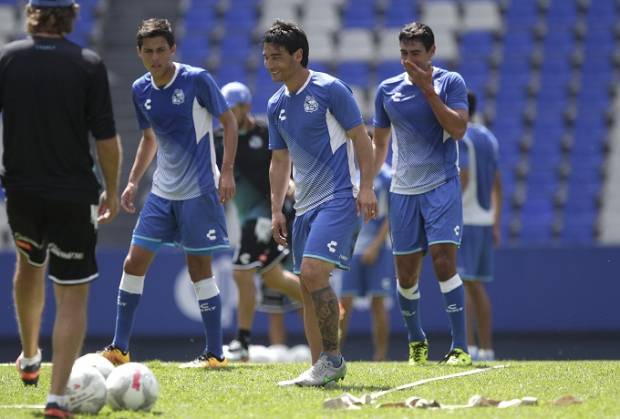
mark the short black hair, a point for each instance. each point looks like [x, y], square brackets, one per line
[289, 36]
[153, 27]
[416, 31]
[473, 102]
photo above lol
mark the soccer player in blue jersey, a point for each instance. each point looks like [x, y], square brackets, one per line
[372, 270]
[425, 111]
[175, 106]
[482, 197]
[315, 123]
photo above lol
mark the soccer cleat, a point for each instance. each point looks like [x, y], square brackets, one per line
[206, 360]
[418, 352]
[322, 373]
[29, 373]
[457, 357]
[54, 410]
[237, 352]
[486, 355]
[115, 355]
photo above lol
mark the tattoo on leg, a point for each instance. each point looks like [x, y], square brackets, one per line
[327, 314]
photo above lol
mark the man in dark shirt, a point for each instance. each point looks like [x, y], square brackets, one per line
[52, 94]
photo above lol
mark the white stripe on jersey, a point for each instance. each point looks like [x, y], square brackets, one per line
[203, 125]
[338, 137]
[473, 213]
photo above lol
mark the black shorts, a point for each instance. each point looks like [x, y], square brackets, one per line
[65, 230]
[258, 249]
[275, 302]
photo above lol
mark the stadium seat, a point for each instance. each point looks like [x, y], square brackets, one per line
[481, 15]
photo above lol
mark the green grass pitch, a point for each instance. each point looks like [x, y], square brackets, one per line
[250, 391]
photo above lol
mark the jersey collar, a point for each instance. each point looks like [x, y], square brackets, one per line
[176, 73]
[301, 89]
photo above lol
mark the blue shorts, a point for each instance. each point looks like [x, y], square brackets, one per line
[327, 232]
[373, 280]
[433, 217]
[197, 225]
[476, 256]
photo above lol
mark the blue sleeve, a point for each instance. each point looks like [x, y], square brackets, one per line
[275, 139]
[457, 92]
[343, 106]
[463, 155]
[209, 95]
[495, 146]
[381, 118]
[143, 121]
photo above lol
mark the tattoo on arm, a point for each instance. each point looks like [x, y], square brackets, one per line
[327, 314]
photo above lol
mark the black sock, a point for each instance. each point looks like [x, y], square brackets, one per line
[245, 337]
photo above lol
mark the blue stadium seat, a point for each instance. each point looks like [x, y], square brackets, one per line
[355, 73]
[399, 13]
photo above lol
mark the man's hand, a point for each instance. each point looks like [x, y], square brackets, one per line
[370, 255]
[367, 203]
[127, 198]
[278, 228]
[227, 186]
[423, 78]
[108, 208]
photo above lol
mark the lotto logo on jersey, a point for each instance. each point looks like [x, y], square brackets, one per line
[178, 97]
[310, 104]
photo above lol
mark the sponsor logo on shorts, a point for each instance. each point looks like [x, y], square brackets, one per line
[457, 230]
[453, 308]
[331, 246]
[244, 258]
[56, 251]
[408, 313]
[211, 235]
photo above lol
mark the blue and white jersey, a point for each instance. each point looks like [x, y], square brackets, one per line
[181, 114]
[480, 157]
[370, 229]
[423, 155]
[312, 125]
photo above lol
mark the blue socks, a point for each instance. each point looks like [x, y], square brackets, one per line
[210, 304]
[454, 298]
[129, 294]
[409, 299]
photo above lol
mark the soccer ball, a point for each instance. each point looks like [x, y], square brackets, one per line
[102, 365]
[132, 386]
[86, 390]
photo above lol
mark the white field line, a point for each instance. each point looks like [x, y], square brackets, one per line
[376, 395]
[22, 406]
[12, 364]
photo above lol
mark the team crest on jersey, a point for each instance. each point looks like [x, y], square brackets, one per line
[178, 97]
[310, 104]
[255, 142]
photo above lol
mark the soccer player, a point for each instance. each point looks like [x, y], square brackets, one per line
[315, 122]
[175, 106]
[258, 251]
[372, 270]
[52, 94]
[482, 197]
[425, 110]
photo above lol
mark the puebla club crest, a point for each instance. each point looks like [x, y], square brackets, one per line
[310, 104]
[178, 97]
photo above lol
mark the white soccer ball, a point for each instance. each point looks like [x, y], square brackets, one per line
[300, 353]
[132, 386]
[86, 390]
[102, 365]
